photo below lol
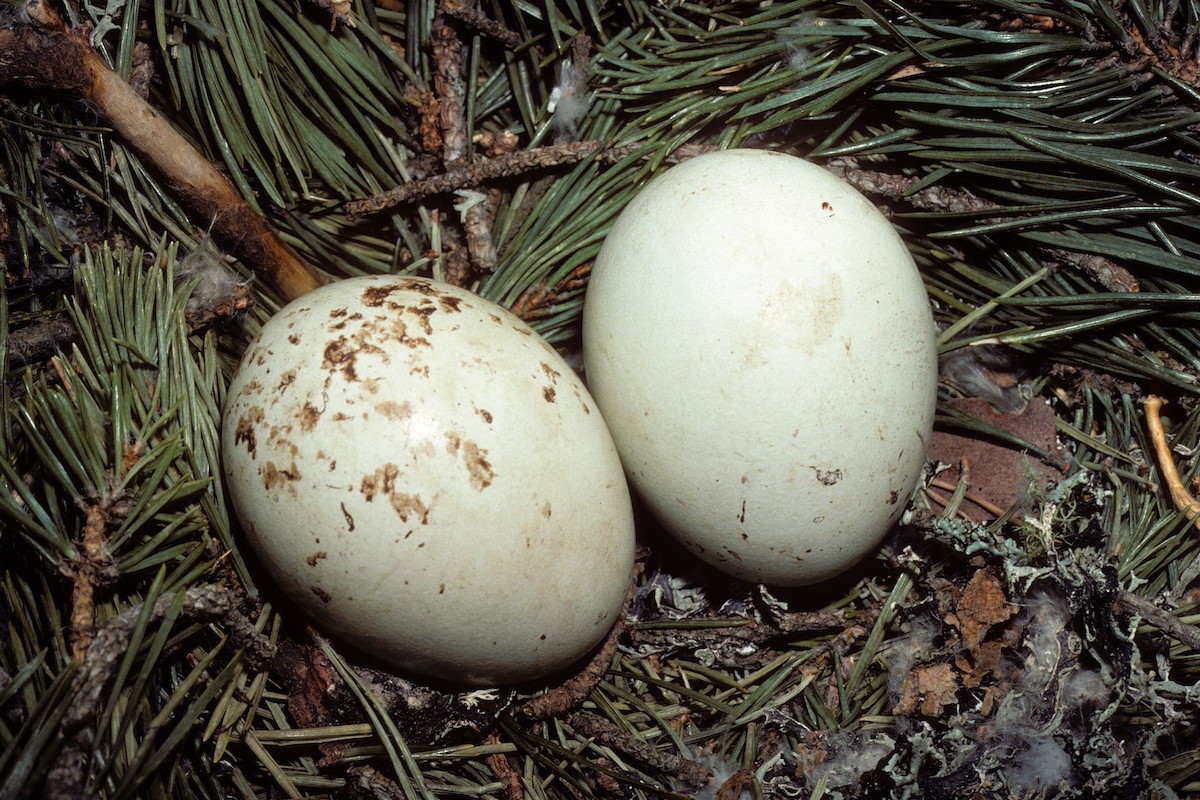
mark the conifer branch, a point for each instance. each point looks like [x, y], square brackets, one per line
[213, 604]
[447, 82]
[1108, 273]
[593, 726]
[44, 54]
[506, 166]
[479, 22]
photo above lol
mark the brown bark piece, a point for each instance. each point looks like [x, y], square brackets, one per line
[981, 605]
[926, 689]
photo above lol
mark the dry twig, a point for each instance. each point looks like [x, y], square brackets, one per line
[606, 733]
[538, 300]
[1167, 623]
[1180, 496]
[518, 163]
[1107, 272]
[68, 777]
[92, 566]
[499, 765]
[45, 54]
[477, 21]
[447, 83]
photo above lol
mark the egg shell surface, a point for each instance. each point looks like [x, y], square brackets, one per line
[429, 481]
[760, 342]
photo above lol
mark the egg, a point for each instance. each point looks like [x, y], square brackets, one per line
[429, 481]
[760, 342]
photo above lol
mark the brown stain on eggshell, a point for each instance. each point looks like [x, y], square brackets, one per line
[423, 313]
[344, 319]
[827, 477]
[550, 390]
[410, 505]
[276, 478]
[395, 411]
[309, 415]
[277, 440]
[376, 296]
[479, 469]
[245, 430]
[820, 304]
[382, 481]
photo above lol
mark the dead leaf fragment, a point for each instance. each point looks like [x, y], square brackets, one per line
[926, 690]
[981, 605]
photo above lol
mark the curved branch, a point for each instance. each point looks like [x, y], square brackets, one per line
[44, 54]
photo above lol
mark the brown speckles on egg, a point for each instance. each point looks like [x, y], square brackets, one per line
[548, 392]
[309, 415]
[286, 380]
[402, 453]
[340, 355]
[410, 506]
[278, 441]
[479, 469]
[376, 296]
[344, 322]
[422, 286]
[245, 431]
[395, 411]
[382, 481]
[583, 403]
[422, 314]
[275, 478]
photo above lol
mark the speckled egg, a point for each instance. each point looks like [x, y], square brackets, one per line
[761, 344]
[429, 480]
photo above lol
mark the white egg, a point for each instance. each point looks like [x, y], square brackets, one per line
[760, 342]
[428, 480]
